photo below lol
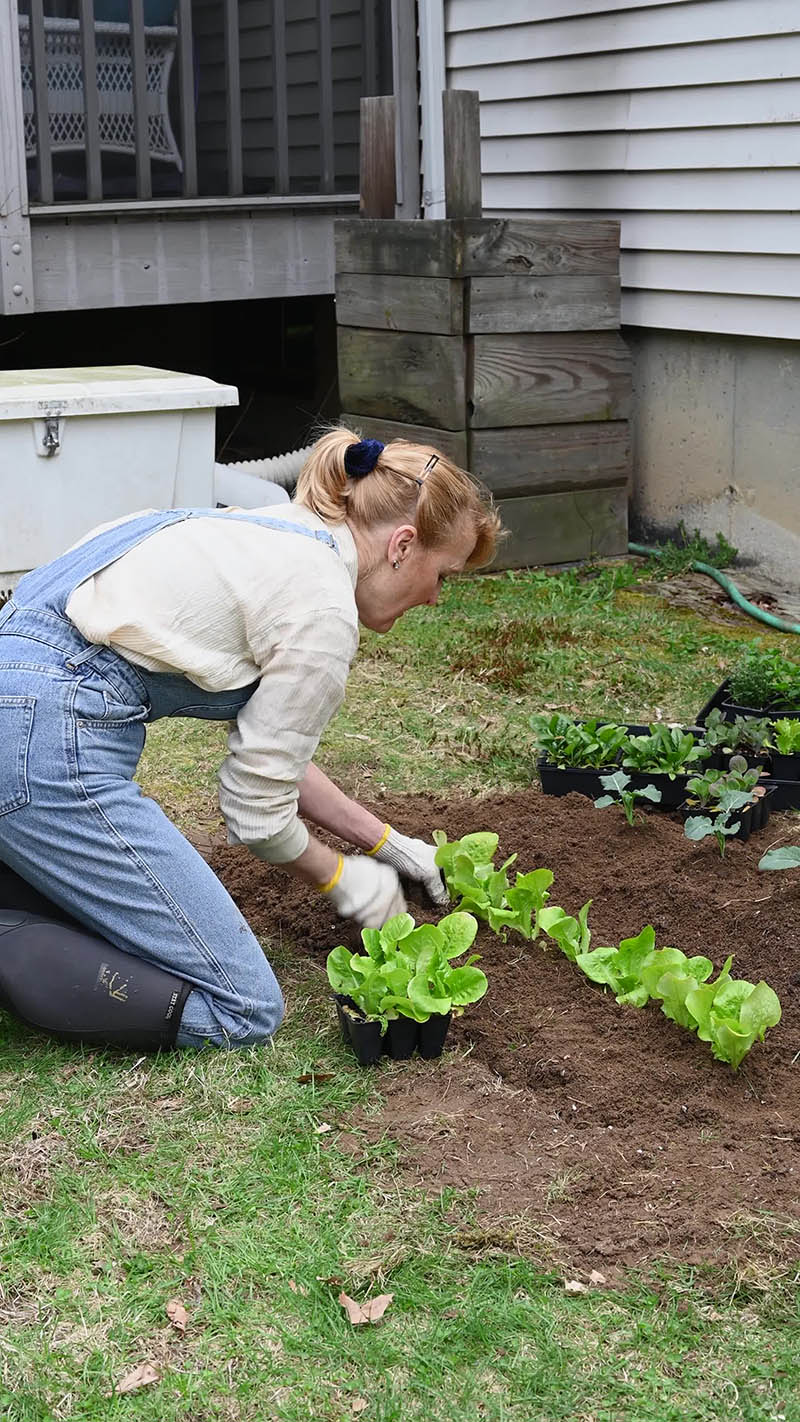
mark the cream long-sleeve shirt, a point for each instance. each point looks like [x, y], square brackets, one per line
[227, 602]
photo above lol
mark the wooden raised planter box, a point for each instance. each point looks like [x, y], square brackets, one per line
[498, 341]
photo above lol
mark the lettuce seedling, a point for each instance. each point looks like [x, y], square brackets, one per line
[618, 794]
[572, 935]
[732, 1014]
[484, 891]
[621, 968]
[787, 736]
[406, 969]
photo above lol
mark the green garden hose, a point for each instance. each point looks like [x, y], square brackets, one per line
[730, 588]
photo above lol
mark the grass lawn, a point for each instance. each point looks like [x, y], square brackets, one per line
[229, 1182]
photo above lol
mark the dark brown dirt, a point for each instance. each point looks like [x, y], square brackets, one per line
[611, 1130]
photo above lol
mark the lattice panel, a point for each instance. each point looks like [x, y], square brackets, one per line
[65, 93]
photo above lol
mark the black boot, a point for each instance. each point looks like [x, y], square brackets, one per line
[66, 981]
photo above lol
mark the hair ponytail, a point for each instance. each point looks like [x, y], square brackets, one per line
[409, 482]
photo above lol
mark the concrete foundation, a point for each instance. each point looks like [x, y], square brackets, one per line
[716, 441]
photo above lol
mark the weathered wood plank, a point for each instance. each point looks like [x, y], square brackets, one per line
[543, 303]
[462, 152]
[453, 443]
[564, 527]
[400, 303]
[219, 254]
[16, 266]
[546, 379]
[401, 375]
[503, 245]
[547, 458]
[378, 180]
[423, 249]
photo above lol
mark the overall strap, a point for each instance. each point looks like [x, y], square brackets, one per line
[51, 585]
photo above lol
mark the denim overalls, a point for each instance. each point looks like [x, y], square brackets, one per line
[74, 823]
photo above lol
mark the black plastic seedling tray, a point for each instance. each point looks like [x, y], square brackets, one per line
[402, 1038]
[721, 700]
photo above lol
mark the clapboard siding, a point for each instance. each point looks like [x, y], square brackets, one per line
[681, 118]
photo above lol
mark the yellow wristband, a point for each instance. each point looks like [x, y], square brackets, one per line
[334, 879]
[387, 829]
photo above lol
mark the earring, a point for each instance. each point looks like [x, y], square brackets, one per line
[395, 565]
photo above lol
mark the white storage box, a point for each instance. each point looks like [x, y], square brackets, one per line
[83, 446]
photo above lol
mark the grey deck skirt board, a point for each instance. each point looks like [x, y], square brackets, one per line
[219, 255]
[400, 375]
[524, 460]
[544, 379]
[563, 527]
[400, 303]
[453, 443]
[543, 303]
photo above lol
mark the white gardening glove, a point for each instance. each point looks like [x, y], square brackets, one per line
[365, 891]
[414, 859]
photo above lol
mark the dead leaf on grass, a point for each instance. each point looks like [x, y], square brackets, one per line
[369, 1312]
[596, 1277]
[142, 1376]
[315, 1076]
[298, 1288]
[358, 1405]
[322, 1128]
[240, 1105]
[574, 1286]
[177, 1315]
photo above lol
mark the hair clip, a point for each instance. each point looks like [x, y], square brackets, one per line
[429, 468]
[361, 458]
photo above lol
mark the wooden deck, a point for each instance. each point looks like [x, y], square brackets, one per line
[264, 102]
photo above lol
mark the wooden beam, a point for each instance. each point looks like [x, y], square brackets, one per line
[548, 458]
[378, 182]
[563, 528]
[187, 99]
[543, 303]
[462, 153]
[400, 303]
[421, 249]
[144, 181]
[16, 264]
[453, 443]
[397, 375]
[538, 246]
[549, 379]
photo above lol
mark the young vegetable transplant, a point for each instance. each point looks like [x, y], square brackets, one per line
[731, 1015]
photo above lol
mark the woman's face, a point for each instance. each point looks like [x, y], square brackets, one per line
[403, 574]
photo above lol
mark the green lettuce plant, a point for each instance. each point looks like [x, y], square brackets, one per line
[572, 935]
[617, 793]
[407, 971]
[787, 736]
[486, 892]
[731, 1014]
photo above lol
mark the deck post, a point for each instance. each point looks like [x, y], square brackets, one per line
[406, 98]
[16, 266]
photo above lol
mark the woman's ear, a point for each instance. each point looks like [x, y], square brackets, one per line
[401, 544]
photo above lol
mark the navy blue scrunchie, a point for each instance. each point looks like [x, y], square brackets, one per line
[361, 458]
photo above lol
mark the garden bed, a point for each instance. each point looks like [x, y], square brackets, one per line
[611, 1130]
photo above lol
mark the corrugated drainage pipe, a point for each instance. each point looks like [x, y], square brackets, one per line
[251, 483]
[730, 587]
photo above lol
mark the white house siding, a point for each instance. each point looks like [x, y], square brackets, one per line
[680, 117]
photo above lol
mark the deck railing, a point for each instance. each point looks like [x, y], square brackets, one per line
[139, 99]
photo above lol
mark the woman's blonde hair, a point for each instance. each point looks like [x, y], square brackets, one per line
[409, 482]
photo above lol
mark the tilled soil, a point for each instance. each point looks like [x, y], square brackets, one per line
[612, 1131]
